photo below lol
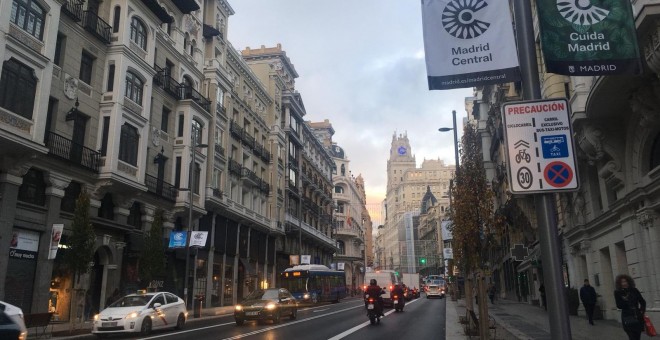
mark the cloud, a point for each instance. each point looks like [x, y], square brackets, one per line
[361, 65]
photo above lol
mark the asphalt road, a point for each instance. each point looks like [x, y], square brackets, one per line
[421, 319]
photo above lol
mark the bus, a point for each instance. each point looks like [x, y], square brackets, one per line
[314, 283]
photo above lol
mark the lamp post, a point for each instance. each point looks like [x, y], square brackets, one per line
[191, 182]
[446, 129]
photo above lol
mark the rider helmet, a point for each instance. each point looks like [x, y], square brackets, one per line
[373, 282]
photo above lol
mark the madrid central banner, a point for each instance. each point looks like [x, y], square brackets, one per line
[588, 37]
[468, 43]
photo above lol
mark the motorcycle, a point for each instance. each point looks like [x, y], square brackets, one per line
[398, 302]
[372, 310]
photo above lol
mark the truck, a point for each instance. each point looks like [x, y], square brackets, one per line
[412, 282]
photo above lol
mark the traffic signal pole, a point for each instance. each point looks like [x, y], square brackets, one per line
[560, 327]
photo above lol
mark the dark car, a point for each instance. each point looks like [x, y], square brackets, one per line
[266, 304]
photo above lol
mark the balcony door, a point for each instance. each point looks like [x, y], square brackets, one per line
[78, 138]
[161, 176]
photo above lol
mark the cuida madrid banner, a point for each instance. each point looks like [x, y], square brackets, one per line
[588, 37]
[468, 43]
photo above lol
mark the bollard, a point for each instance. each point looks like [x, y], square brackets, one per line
[197, 308]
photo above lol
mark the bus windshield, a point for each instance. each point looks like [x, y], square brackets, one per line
[295, 284]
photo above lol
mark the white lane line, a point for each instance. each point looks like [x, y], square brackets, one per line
[320, 310]
[362, 325]
[187, 331]
[290, 323]
[336, 304]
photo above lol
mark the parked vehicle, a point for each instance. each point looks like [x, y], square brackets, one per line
[266, 304]
[12, 324]
[142, 312]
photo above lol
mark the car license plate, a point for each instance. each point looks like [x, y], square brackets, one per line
[396, 301]
[108, 324]
[251, 313]
[370, 306]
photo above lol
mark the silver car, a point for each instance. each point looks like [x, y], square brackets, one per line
[12, 324]
[435, 290]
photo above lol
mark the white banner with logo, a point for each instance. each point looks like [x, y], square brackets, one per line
[448, 253]
[468, 43]
[340, 266]
[24, 244]
[198, 238]
[55, 237]
[305, 259]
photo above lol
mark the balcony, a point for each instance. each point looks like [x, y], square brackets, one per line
[160, 188]
[294, 223]
[189, 93]
[235, 167]
[265, 155]
[219, 150]
[167, 83]
[264, 187]
[351, 232]
[236, 130]
[248, 140]
[217, 193]
[258, 150]
[95, 25]
[73, 9]
[251, 176]
[75, 153]
[220, 109]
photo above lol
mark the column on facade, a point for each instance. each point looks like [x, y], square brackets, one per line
[43, 275]
[234, 282]
[9, 184]
[209, 264]
[646, 220]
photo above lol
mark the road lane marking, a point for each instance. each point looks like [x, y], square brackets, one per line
[336, 304]
[362, 325]
[320, 310]
[187, 331]
[290, 323]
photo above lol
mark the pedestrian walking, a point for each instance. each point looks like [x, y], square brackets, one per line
[491, 293]
[542, 292]
[588, 297]
[632, 305]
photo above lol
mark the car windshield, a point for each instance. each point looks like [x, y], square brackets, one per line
[132, 301]
[269, 294]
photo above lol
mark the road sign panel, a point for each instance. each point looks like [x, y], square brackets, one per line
[539, 146]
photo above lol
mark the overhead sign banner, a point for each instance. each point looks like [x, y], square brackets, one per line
[539, 146]
[468, 43]
[55, 238]
[178, 239]
[198, 238]
[588, 37]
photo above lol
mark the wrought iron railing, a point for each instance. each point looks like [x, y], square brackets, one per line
[235, 167]
[220, 109]
[236, 130]
[219, 149]
[217, 193]
[161, 188]
[251, 175]
[265, 155]
[97, 26]
[167, 83]
[248, 140]
[73, 9]
[65, 148]
[258, 149]
[187, 92]
[264, 187]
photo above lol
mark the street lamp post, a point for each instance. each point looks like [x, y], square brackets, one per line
[446, 129]
[191, 182]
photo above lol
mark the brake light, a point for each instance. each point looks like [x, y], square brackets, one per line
[395, 296]
[391, 287]
[371, 300]
[365, 287]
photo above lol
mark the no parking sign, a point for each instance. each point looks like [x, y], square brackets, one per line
[539, 146]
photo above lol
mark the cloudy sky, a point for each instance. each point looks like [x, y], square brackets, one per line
[361, 65]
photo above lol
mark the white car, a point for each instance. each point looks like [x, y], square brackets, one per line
[141, 313]
[435, 290]
[12, 325]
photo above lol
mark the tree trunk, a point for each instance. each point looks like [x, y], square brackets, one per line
[469, 294]
[483, 308]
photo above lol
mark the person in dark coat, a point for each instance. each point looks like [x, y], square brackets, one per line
[542, 292]
[632, 305]
[588, 297]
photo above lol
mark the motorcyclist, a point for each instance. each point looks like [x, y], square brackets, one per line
[398, 290]
[374, 291]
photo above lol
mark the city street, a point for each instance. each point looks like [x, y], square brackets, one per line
[422, 319]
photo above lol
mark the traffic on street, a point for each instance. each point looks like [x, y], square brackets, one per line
[422, 319]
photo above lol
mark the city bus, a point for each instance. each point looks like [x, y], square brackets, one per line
[314, 283]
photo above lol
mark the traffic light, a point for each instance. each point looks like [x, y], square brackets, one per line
[422, 260]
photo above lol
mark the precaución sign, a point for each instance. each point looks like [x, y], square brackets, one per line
[539, 145]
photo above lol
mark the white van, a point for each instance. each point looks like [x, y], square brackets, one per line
[386, 279]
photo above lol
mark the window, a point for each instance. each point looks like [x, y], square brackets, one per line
[71, 194]
[165, 119]
[115, 19]
[111, 77]
[198, 174]
[193, 45]
[196, 133]
[180, 130]
[59, 45]
[339, 190]
[30, 16]
[292, 177]
[135, 216]
[138, 33]
[104, 140]
[18, 86]
[128, 144]
[655, 153]
[86, 67]
[107, 208]
[134, 87]
[33, 188]
[177, 173]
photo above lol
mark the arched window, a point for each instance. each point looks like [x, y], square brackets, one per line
[30, 16]
[128, 144]
[71, 194]
[339, 190]
[107, 208]
[196, 132]
[188, 86]
[135, 216]
[134, 87]
[193, 45]
[186, 42]
[655, 153]
[116, 19]
[33, 188]
[18, 86]
[138, 33]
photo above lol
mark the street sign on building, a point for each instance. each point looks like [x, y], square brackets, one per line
[539, 146]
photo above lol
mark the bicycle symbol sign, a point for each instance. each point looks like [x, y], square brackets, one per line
[558, 174]
[523, 156]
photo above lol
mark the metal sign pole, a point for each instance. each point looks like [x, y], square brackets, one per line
[560, 327]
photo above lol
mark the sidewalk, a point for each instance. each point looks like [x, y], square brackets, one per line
[454, 330]
[61, 330]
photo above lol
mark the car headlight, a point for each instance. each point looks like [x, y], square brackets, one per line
[239, 308]
[270, 306]
[132, 315]
[96, 317]
[306, 296]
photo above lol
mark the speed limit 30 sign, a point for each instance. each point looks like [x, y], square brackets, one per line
[539, 146]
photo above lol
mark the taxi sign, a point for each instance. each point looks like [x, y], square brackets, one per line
[539, 146]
